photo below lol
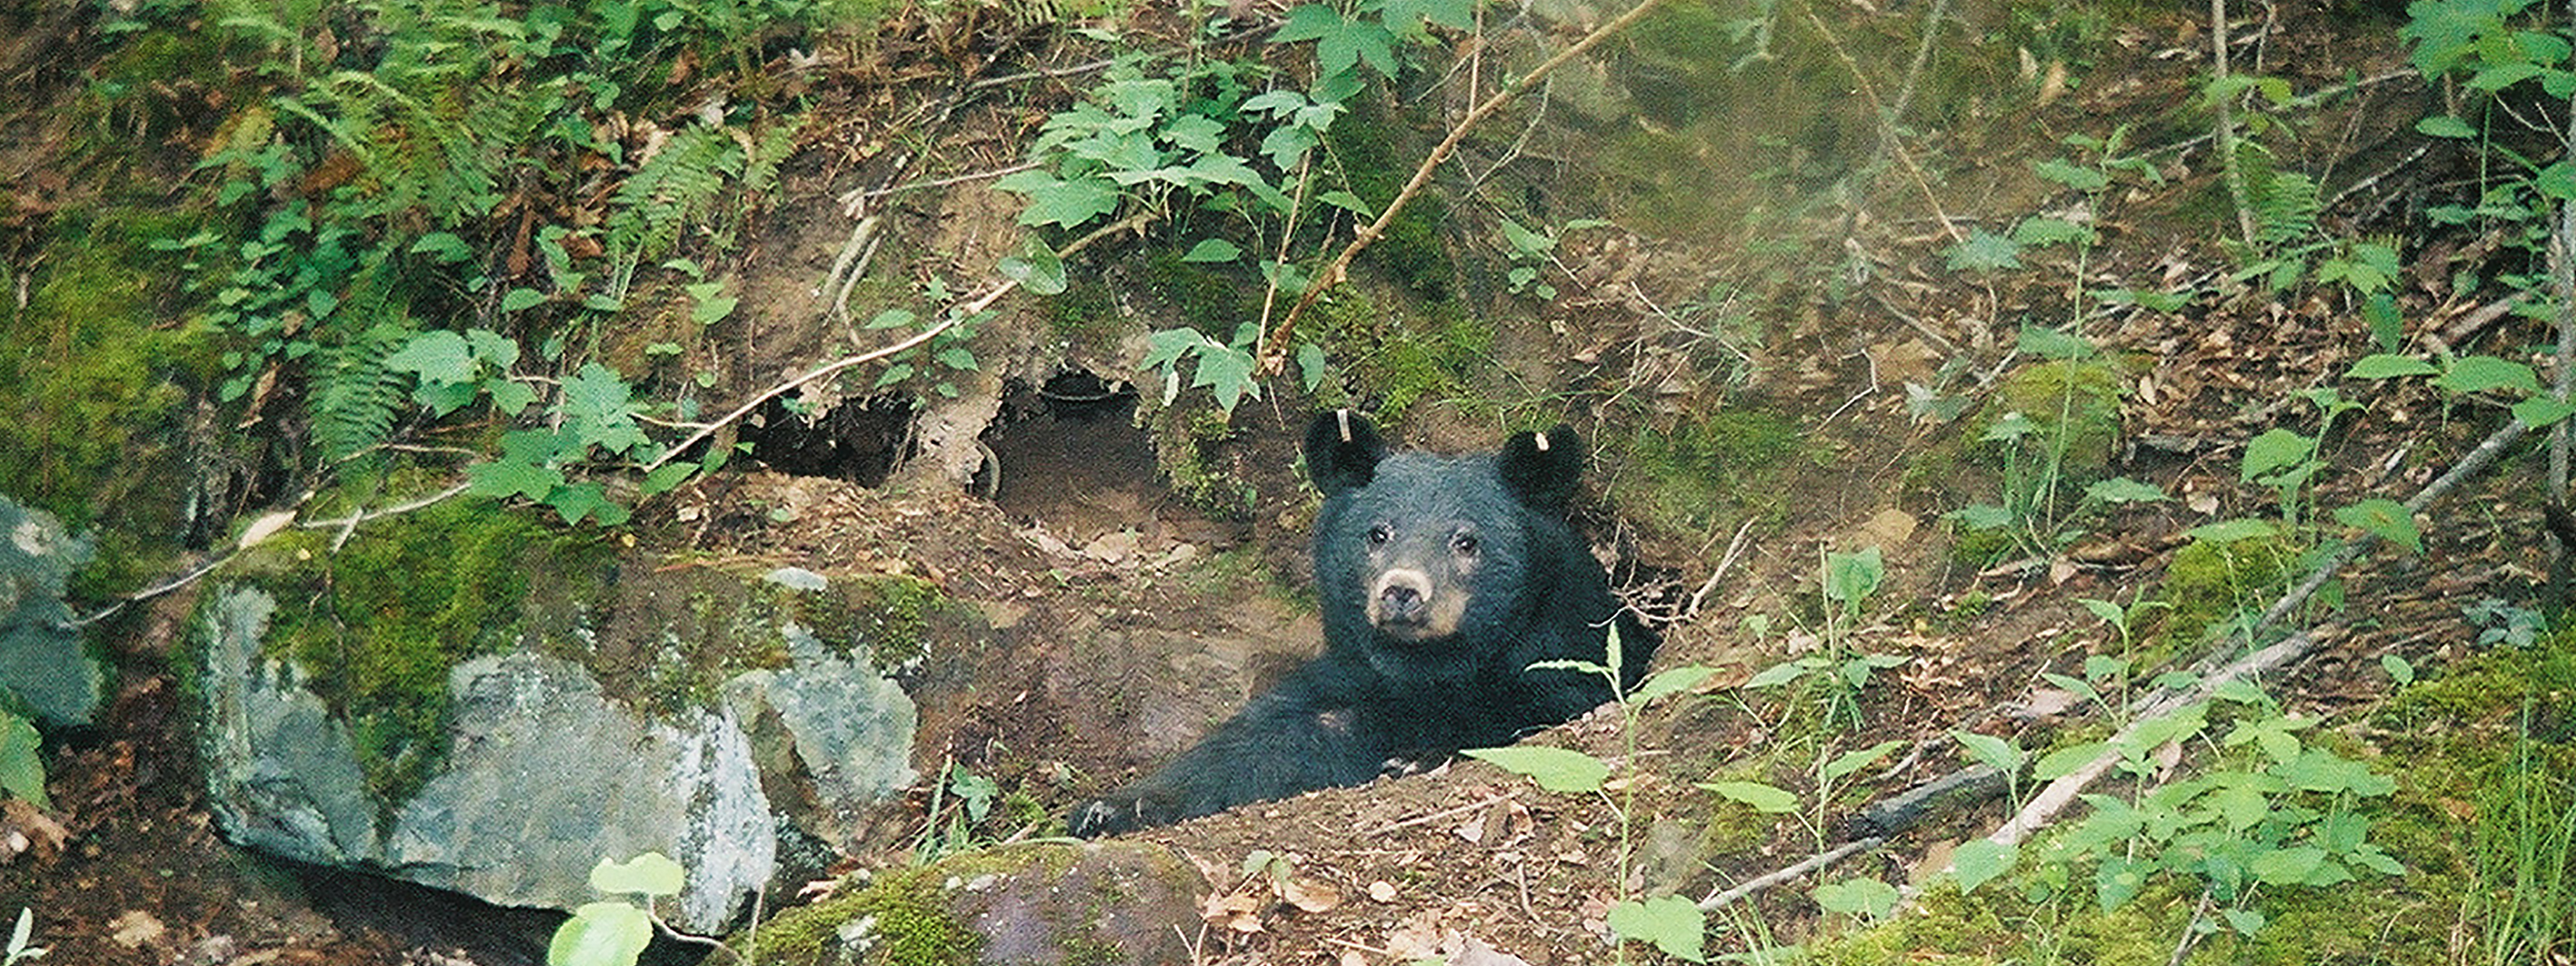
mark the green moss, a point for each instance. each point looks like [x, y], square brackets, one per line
[1402, 359]
[376, 625]
[1690, 478]
[93, 378]
[2211, 581]
[1189, 449]
[907, 923]
[1213, 298]
[2073, 407]
[1086, 314]
[1368, 145]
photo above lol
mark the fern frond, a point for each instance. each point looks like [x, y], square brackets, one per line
[355, 396]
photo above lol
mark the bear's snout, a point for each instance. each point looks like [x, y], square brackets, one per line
[1405, 604]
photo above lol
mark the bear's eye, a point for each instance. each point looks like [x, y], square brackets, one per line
[1379, 535]
[1463, 544]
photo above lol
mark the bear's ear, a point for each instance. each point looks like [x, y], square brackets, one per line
[1342, 451]
[1542, 468]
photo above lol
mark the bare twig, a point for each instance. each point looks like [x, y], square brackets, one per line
[342, 524]
[955, 315]
[1810, 864]
[1733, 547]
[1274, 341]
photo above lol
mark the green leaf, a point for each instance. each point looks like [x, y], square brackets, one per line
[1673, 924]
[2389, 366]
[2048, 343]
[2043, 232]
[1984, 251]
[2557, 182]
[712, 309]
[1311, 366]
[1978, 861]
[1990, 751]
[435, 356]
[1347, 201]
[2398, 670]
[2469, 374]
[509, 396]
[601, 934]
[2276, 449]
[1851, 578]
[1764, 798]
[668, 476]
[521, 298]
[22, 765]
[1227, 372]
[1862, 898]
[2231, 531]
[1855, 760]
[2117, 880]
[1554, 769]
[1779, 674]
[2086, 180]
[1036, 268]
[599, 410]
[574, 501]
[1057, 201]
[1453, 14]
[444, 247]
[2445, 126]
[651, 873]
[2285, 867]
[1673, 680]
[504, 478]
[2387, 518]
[2540, 411]
[2123, 490]
[1212, 250]
[891, 318]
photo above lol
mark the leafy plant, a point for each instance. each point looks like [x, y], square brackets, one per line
[21, 936]
[1671, 924]
[2288, 818]
[1848, 580]
[615, 932]
[22, 764]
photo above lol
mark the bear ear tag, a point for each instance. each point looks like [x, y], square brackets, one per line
[1342, 451]
[1542, 468]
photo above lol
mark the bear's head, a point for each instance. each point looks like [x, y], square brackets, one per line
[1435, 562]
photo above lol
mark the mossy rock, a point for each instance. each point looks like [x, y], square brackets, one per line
[1039, 904]
[2071, 409]
[2212, 580]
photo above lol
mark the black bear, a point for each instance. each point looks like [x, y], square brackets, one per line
[1442, 579]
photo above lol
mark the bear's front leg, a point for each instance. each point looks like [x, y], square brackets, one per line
[1303, 735]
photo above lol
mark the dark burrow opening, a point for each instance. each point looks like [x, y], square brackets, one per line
[860, 441]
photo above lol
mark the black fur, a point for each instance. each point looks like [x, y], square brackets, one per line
[1472, 574]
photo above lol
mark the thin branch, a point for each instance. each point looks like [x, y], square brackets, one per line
[1274, 341]
[1810, 864]
[955, 315]
[343, 524]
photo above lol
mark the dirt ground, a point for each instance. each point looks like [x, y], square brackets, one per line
[1118, 620]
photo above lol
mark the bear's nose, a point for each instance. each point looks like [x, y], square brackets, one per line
[1400, 603]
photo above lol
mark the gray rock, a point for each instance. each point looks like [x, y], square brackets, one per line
[43, 664]
[546, 774]
[281, 773]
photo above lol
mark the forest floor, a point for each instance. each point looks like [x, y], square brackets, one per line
[1083, 540]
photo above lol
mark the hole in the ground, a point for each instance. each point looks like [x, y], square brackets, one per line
[1073, 461]
[860, 441]
[1069, 455]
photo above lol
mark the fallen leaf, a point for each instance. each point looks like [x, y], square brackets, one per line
[1309, 895]
[135, 928]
